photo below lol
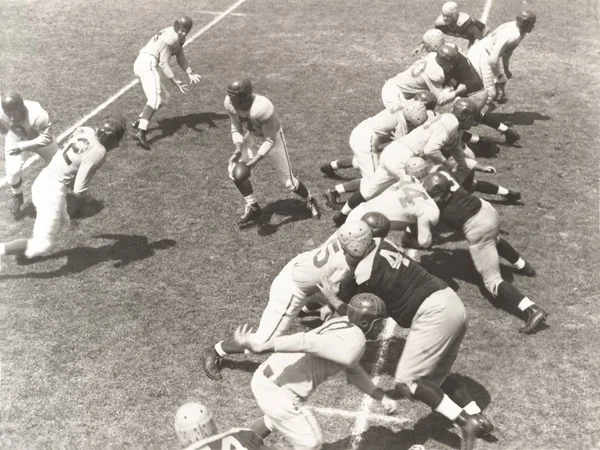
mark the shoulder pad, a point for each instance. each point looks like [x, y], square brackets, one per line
[463, 18]
[169, 36]
[262, 108]
[440, 21]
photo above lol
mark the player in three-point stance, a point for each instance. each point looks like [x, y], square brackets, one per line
[452, 22]
[25, 126]
[256, 129]
[154, 55]
[75, 164]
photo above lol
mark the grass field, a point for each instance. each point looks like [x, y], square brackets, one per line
[100, 341]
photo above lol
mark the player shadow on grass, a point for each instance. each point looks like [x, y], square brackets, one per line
[456, 264]
[171, 125]
[125, 250]
[518, 117]
[292, 209]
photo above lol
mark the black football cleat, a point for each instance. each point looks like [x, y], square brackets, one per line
[339, 218]
[136, 124]
[211, 363]
[251, 214]
[469, 432]
[313, 208]
[485, 425]
[513, 196]
[331, 198]
[511, 136]
[140, 136]
[327, 170]
[15, 204]
[536, 316]
[527, 270]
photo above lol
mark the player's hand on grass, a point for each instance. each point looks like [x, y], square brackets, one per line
[489, 169]
[390, 406]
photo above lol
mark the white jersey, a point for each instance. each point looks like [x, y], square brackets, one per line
[323, 352]
[500, 42]
[34, 132]
[77, 161]
[425, 74]
[328, 260]
[386, 125]
[162, 46]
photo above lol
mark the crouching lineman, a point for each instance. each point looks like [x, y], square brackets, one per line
[301, 362]
[255, 128]
[452, 22]
[76, 162]
[479, 221]
[290, 292]
[437, 320]
[196, 430]
[25, 126]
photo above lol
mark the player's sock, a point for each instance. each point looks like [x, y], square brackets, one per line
[147, 114]
[250, 199]
[355, 199]
[302, 191]
[340, 188]
[228, 347]
[456, 391]
[506, 251]
[511, 295]
[494, 123]
[17, 188]
[448, 408]
[486, 187]
[525, 303]
[351, 186]
[16, 247]
[262, 426]
[431, 394]
[346, 209]
[472, 408]
[342, 163]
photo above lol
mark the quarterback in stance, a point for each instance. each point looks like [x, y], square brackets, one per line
[25, 126]
[479, 221]
[156, 53]
[460, 24]
[491, 55]
[437, 320]
[291, 289]
[74, 164]
[256, 129]
[301, 362]
[196, 430]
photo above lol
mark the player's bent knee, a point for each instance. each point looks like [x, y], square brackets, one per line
[37, 247]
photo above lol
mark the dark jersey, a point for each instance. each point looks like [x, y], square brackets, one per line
[465, 27]
[463, 72]
[398, 280]
[234, 439]
[461, 205]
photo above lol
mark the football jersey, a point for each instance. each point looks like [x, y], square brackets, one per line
[397, 279]
[234, 439]
[463, 72]
[256, 120]
[503, 40]
[34, 131]
[323, 352]
[465, 27]
[461, 206]
[386, 125]
[425, 74]
[433, 136]
[77, 161]
[162, 46]
[328, 260]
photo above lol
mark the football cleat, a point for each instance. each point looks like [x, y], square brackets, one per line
[527, 270]
[251, 214]
[511, 136]
[15, 204]
[513, 196]
[331, 198]
[536, 316]
[140, 136]
[211, 363]
[339, 218]
[486, 425]
[469, 432]
[327, 170]
[313, 208]
[136, 124]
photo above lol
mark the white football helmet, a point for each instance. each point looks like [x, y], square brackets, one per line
[450, 12]
[415, 113]
[194, 422]
[356, 238]
[416, 167]
[433, 39]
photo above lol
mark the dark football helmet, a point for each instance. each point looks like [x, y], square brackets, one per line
[14, 107]
[240, 93]
[110, 132]
[365, 309]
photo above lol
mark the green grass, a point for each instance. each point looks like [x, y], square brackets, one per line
[101, 341]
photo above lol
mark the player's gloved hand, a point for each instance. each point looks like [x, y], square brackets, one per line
[389, 405]
[489, 169]
[194, 78]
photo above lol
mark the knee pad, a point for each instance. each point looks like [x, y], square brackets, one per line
[37, 247]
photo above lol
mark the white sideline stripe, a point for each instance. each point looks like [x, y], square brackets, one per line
[112, 99]
[217, 13]
[344, 413]
[361, 422]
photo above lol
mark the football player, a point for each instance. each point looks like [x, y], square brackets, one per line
[289, 293]
[368, 139]
[157, 53]
[425, 74]
[430, 42]
[460, 24]
[442, 132]
[196, 430]
[479, 221]
[437, 320]
[491, 55]
[74, 165]
[301, 362]
[25, 126]
[256, 129]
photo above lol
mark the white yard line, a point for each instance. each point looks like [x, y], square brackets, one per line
[486, 11]
[216, 13]
[131, 84]
[344, 413]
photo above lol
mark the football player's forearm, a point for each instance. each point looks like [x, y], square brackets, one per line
[435, 155]
[182, 61]
[42, 140]
[166, 68]
[364, 383]
[424, 234]
[265, 147]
